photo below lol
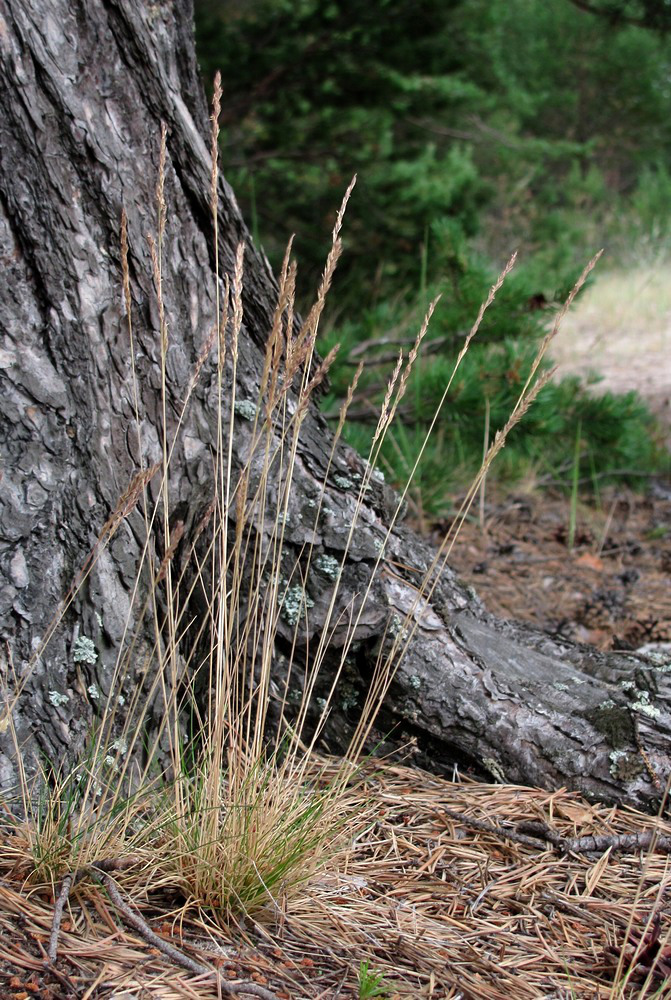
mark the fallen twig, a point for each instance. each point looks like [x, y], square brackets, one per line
[499, 831]
[533, 834]
[59, 906]
[597, 843]
[64, 980]
[70, 880]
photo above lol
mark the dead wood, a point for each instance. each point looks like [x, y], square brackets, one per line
[538, 835]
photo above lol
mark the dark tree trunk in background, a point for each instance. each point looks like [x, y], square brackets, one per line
[84, 88]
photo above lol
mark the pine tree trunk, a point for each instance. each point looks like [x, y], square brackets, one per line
[85, 88]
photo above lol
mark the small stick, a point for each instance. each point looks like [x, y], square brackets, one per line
[499, 831]
[100, 872]
[59, 906]
[588, 844]
[70, 880]
[595, 843]
[53, 971]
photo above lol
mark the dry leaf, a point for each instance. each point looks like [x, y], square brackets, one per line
[591, 561]
[577, 813]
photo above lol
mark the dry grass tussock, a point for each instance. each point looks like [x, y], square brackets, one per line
[283, 871]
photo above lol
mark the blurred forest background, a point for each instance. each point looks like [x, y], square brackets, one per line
[476, 127]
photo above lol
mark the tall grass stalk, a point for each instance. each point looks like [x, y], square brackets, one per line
[483, 484]
[575, 479]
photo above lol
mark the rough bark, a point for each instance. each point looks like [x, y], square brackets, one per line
[85, 86]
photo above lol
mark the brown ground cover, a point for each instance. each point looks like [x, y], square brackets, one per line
[445, 911]
[612, 588]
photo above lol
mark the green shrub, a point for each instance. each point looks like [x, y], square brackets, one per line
[617, 435]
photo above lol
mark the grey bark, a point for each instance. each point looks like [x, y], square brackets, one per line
[85, 86]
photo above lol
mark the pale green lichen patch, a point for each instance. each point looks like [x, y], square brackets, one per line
[658, 654]
[661, 659]
[350, 697]
[294, 602]
[344, 482]
[58, 698]
[84, 650]
[245, 408]
[328, 565]
[643, 704]
[560, 687]
[397, 630]
[96, 787]
[415, 682]
[641, 701]
[94, 692]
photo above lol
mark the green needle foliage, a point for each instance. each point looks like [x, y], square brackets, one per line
[527, 124]
[474, 128]
[618, 437]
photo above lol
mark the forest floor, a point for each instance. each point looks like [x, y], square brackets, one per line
[610, 588]
[437, 908]
[441, 910]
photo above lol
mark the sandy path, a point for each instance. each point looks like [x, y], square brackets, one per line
[621, 328]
